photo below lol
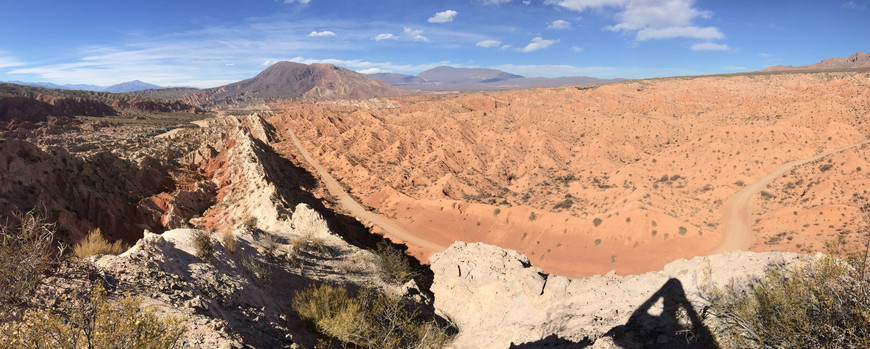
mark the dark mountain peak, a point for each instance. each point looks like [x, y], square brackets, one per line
[291, 80]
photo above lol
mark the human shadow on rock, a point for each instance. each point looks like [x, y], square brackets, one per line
[554, 341]
[677, 326]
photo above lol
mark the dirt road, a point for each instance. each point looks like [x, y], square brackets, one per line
[736, 223]
[393, 231]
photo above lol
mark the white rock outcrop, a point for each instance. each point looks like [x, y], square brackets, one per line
[497, 299]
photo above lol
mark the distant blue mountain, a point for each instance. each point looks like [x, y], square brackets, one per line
[128, 86]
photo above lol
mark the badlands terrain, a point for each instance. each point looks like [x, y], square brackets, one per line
[553, 217]
[626, 176]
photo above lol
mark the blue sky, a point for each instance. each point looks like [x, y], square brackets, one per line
[210, 43]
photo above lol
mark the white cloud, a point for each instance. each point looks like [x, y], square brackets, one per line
[385, 36]
[709, 46]
[369, 71]
[538, 43]
[6, 61]
[487, 43]
[559, 24]
[495, 2]
[443, 17]
[415, 34]
[651, 19]
[360, 66]
[527, 2]
[576, 49]
[321, 34]
[412, 32]
[304, 2]
[706, 33]
[765, 55]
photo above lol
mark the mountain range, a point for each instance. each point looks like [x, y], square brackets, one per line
[445, 78]
[857, 60]
[123, 87]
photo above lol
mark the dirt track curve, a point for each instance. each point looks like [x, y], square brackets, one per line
[392, 230]
[736, 225]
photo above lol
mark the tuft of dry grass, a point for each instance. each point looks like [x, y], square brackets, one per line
[203, 246]
[95, 244]
[228, 239]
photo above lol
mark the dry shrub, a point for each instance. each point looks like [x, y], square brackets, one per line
[27, 252]
[203, 246]
[394, 263]
[311, 244]
[369, 320]
[820, 303]
[95, 244]
[228, 239]
[92, 322]
[260, 270]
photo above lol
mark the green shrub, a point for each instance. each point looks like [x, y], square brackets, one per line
[820, 303]
[369, 320]
[394, 263]
[27, 252]
[95, 244]
[203, 246]
[92, 322]
[596, 222]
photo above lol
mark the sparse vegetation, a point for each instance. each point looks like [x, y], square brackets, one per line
[228, 239]
[260, 270]
[496, 211]
[818, 304]
[532, 216]
[596, 222]
[369, 320]
[683, 231]
[202, 246]
[95, 244]
[394, 263]
[92, 322]
[597, 242]
[27, 252]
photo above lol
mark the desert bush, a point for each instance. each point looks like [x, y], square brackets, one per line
[369, 320]
[203, 246]
[596, 222]
[228, 239]
[309, 243]
[95, 244]
[27, 252]
[92, 322]
[821, 303]
[394, 263]
[260, 270]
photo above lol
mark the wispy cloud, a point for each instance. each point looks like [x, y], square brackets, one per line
[488, 43]
[709, 46]
[7, 61]
[495, 2]
[415, 34]
[559, 24]
[538, 43]
[551, 70]
[304, 2]
[651, 20]
[385, 36]
[376, 67]
[321, 34]
[443, 17]
[576, 49]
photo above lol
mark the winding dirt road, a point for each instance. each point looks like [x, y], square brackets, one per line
[392, 230]
[736, 223]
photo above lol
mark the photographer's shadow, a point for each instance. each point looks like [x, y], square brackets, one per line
[677, 326]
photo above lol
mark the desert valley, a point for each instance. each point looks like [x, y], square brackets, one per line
[538, 217]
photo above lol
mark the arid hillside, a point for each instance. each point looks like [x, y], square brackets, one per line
[626, 176]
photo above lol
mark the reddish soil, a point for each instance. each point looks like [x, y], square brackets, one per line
[624, 177]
